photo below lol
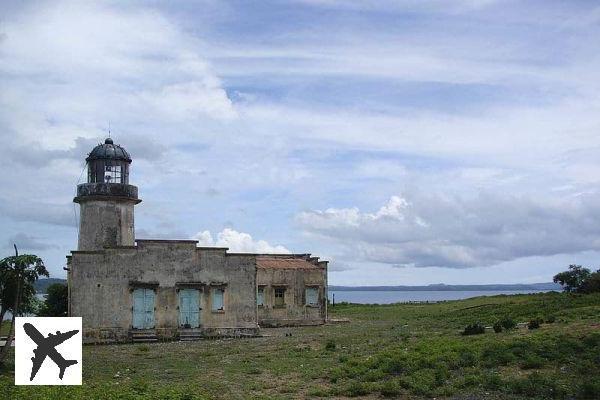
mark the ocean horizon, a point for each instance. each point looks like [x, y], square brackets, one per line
[406, 296]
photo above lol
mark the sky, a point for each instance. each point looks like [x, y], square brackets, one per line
[408, 142]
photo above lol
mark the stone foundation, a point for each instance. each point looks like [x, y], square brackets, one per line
[118, 335]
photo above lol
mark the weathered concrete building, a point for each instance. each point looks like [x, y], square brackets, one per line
[128, 289]
[292, 290]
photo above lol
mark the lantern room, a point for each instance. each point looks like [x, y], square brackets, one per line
[108, 163]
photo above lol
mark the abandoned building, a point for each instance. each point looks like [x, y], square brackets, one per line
[145, 290]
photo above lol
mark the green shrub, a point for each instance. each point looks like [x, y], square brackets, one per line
[143, 348]
[508, 323]
[330, 345]
[589, 390]
[474, 329]
[497, 355]
[423, 382]
[140, 386]
[390, 388]
[534, 324]
[355, 389]
[498, 327]
[467, 358]
[532, 362]
[492, 381]
[593, 340]
[535, 385]
[550, 319]
[318, 392]
[395, 365]
[254, 370]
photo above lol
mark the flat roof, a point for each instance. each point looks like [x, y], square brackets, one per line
[167, 240]
[266, 262]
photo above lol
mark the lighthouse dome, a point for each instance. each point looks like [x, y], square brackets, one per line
[109, 151]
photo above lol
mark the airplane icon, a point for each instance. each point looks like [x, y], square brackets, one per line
[46, 347]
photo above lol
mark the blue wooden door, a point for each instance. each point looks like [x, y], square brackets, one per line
[189, 308]
[143, 308]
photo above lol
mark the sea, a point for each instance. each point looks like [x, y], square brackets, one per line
[40, 296]
[398, 296]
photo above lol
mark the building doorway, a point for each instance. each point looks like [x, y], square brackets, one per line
[189, 308]
[143, 308]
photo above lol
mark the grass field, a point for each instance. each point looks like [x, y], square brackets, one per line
[407, 351]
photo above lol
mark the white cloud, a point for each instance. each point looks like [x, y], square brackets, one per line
[67, 68]
[454, 232]
[238, 242]
[204, 238]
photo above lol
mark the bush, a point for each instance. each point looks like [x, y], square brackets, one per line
[57, 301]
[467, 358]
[498, 327]
[494, 356]
[589, 390]
[532, 361]
[355, 389]
[330, 345]
[508, 323]
[390, 388]
[534, 324]
[550, 319]
[473, 329]
[536, 385]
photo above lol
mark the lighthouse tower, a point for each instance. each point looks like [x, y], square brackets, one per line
[107, 199]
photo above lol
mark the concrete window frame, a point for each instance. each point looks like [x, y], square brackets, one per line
[311, 295]
[217, 299]
[279, 296]
[260, 296]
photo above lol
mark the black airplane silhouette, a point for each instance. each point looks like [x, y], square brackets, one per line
[46, 347]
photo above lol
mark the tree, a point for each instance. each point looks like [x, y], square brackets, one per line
[8, 292]
[592, 283]
[17, 275]
[573, 279]
[57, 301]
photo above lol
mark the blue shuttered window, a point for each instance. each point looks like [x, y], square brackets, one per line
[312, 296]
[217, 299]
[260, 297]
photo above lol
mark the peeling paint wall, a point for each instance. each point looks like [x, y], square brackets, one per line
[106, 223]
[102, 283]
[295, 311]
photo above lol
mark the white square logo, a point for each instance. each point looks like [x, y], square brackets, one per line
[48, 350]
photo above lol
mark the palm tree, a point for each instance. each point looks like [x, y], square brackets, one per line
[17, 274]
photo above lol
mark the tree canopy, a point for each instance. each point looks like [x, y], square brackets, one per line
[579, 279]
[18, 273]
[57, 301]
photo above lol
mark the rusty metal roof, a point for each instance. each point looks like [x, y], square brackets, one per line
[109, 151]
[283, 263]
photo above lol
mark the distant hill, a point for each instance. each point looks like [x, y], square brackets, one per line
[41, 285]
[442, 287]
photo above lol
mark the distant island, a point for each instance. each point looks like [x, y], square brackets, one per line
[41, 285]
[548, 286]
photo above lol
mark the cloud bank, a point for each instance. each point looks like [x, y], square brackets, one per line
[245, 114]
[454, 232]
